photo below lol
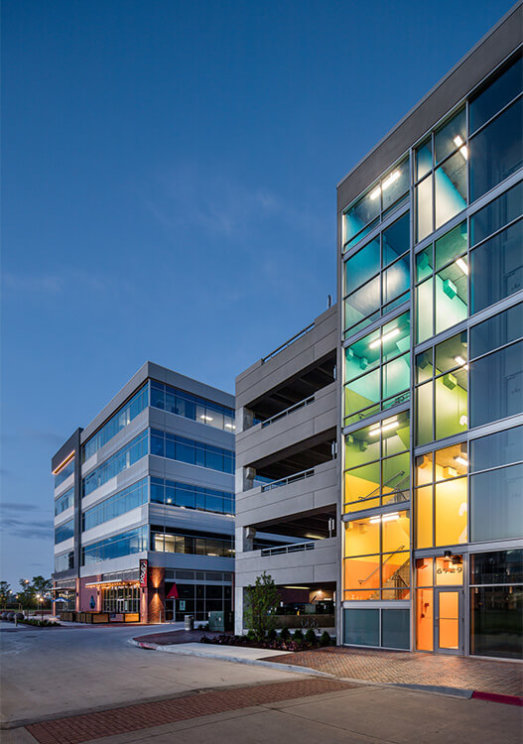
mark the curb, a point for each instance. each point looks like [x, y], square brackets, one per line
[236, 659]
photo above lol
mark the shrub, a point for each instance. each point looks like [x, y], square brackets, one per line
[310, 637]
[325, 639]
[272, 635]
[285, 634]
[297, 635]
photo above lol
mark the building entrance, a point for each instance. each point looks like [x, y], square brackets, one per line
[440, 604]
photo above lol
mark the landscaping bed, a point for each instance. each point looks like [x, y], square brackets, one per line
[283, 641]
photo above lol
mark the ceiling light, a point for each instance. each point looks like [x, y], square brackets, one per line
[459, 360]
[230, 426]
[390, 179]
[376, 429]
[462, 460]
[458, 141]
[204, 417]
[386, 337]
[463, 265]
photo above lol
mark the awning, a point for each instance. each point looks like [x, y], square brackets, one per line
[173, 594]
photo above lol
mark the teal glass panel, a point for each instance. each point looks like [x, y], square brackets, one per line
[361, 627]
[424, 159]
[362, 303]
[424, 263]
[360, 267]
[451, 296]
[362, 356]
[450, 136]
[396, 279]
[424, 413]
[360, 236]
[396, 336]
[362, 392]
[424, 313]
[395, 629]
[396, 239]
[451, 187]
[451, 245]
[395, 185]
[396, 376]
[364, 211]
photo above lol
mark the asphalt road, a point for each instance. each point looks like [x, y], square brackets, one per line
[48, 672]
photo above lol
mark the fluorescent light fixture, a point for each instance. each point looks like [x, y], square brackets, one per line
[462, 460]
[204, 417]
[386, 337]
[458, 141]
[230, 426]
[459, 360]
[376, 429]
[385, 518]
[392, 178]
[463, 265]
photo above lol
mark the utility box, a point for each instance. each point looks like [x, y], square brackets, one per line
[220, 621]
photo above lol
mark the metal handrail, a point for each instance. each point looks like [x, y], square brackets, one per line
[387, 559]
[289, 479]
[290, 409]
[292, 548]
[287, 343]
[385, 485]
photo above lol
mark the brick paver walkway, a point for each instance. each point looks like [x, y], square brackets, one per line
[395, 667]
[76, 729]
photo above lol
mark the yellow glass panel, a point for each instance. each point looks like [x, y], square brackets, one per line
[451, 462]
[449, 572]
[362, 537]
[424, 469]
[396, 531]
[450, 406]
[424, 568]
[362, 573]
[451, 512]
[425, 619]
[424, 537]
[360, 484]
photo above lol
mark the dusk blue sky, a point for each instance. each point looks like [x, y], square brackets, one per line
[169, 193]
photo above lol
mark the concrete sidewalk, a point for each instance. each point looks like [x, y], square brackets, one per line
[307, 712]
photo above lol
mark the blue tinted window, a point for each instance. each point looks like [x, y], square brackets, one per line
[496, 151]
[488, 401]
[119, 503]
[498, 213]
[497, 267]
[192, 452]
[500, 92]
[191, 406]
[64, 473]
[64, 502]
[64, 531]
[497, 331]
[396, 239]
[500, 517]
[121, 460]
[117, 422]
[127, 543]
[502, 448]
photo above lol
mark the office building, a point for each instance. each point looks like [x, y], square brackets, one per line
[144, 503]
[287, 476]
[431, 373]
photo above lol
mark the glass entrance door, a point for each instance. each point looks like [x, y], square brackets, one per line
[448, 633]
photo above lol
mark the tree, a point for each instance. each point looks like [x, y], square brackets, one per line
[5, 592]
[31, 590]
[261, 600]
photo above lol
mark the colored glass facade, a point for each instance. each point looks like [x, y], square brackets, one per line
[432, 367]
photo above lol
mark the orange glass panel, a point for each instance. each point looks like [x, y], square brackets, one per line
[425, 619]
[448, 633]
[449, 573]
[451, 512]
[362, 536]
[424, 469]
[424, 537]
[362, 573]
[353, 595]
[424, 576]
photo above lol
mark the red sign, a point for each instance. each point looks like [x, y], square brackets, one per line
[143, 572]
[173, 594]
